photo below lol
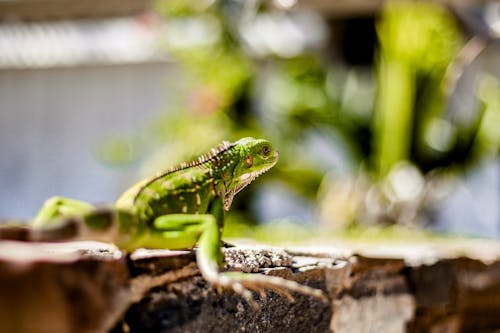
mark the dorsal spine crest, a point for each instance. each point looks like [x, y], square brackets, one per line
[211, 156]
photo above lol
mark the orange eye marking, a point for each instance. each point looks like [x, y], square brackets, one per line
[249, 161]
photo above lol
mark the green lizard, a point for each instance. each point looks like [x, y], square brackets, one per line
[178, 209]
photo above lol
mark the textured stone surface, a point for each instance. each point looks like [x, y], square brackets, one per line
[93, 287]
[191, 305]
[54, 289]
[375, 298]
[457, 295]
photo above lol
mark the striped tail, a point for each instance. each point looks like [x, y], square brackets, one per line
[101, 224]
[23, 231]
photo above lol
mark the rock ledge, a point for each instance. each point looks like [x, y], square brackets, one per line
[93, 287]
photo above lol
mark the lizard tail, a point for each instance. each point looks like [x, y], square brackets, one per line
[102, 224]
[24, 232]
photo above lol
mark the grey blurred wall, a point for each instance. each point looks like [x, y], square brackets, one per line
[50, 120]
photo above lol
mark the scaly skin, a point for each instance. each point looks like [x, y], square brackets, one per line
[179, 208]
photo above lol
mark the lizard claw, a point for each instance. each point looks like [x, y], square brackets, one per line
[244, 283]
[246, 294]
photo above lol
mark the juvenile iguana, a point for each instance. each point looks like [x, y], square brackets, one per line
[177, 209]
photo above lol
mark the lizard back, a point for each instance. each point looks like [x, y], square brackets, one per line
[186, 188]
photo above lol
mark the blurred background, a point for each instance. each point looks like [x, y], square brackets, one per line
[386, 113]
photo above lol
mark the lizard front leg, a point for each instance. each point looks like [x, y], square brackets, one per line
[185, 229]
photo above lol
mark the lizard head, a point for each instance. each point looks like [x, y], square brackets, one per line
[255, 156]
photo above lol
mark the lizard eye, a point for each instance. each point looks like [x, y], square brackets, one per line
[266, 150]
[249, 161]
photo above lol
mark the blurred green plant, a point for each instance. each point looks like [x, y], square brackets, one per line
[488, 135]
[418, 41]
[363, 146]
[232, 93]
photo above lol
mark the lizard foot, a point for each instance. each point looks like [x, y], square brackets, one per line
[244, 283]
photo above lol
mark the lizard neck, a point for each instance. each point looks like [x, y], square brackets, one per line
[223, 166]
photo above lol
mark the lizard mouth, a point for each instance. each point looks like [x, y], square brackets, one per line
[246, 179]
